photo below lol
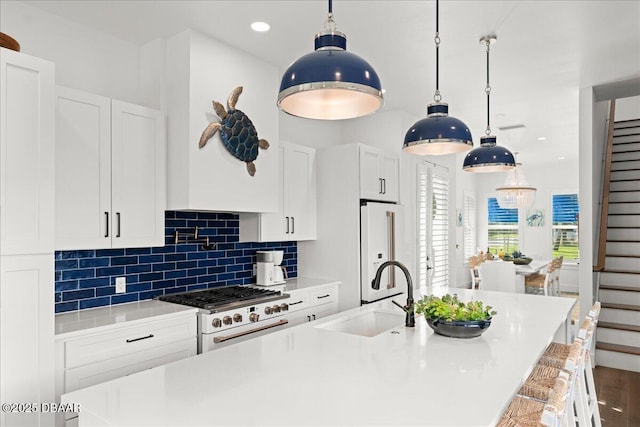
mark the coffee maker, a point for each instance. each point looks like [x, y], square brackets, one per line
[269, 271]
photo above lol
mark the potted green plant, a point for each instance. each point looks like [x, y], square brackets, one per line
[451, 317]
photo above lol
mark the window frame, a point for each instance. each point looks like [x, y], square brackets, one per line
[552, 227]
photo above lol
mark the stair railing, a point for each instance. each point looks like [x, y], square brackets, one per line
[606, 184]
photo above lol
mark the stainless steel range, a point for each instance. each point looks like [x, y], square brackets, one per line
[230, 314]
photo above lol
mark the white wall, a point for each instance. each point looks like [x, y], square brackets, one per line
[85, 58]
[312, 133]
[628, 108]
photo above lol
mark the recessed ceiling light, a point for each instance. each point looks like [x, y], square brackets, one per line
[561, 158]
[260, 26]
[542, 138]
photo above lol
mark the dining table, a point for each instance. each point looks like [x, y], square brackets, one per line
[499, 275]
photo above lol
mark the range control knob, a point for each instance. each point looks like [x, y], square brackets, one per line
[216, 323]
[284, 306]
[267, 310]
[276, 308]
[227, 320]
[254, 317]
[237, 317]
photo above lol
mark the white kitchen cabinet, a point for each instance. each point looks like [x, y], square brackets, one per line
[307, 305]
[379, 179]
[27, 115]
[112, 342]
[296, 216]
[110, 173]
[26, 154]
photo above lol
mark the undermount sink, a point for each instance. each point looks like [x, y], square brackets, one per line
[368, 324]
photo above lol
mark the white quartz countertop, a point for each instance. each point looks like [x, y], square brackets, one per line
[308, 375]
[69, 324]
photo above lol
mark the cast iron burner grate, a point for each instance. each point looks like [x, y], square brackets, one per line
[224, 297]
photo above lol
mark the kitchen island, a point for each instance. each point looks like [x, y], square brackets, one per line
[323, 373]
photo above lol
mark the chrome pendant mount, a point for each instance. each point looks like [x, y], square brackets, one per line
[489, 157]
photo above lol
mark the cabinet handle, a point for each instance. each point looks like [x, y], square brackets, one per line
[106, 233]
[294, 303]
[118, 220]
[287, 232]
[384, 185]
[141, 338]
[380, 179]
[308, 318]
[293, 225]
[314, 316]
[324, 296]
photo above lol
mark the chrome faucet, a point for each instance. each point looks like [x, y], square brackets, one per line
[410, 320]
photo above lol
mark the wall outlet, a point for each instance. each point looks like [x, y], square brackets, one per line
[121, 285]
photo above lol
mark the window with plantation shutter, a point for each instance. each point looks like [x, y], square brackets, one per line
[503, 228]
[564, 226]
[469, 225]
[433, 226]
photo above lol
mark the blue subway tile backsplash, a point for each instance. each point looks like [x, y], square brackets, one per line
[86, 278]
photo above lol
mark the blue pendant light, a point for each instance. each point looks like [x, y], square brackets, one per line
[489, 157]
[438, 133]
[330, 83]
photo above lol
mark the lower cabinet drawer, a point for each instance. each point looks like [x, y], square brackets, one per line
[95, 373]
[323, 296]
[125, 341]
[299, 300]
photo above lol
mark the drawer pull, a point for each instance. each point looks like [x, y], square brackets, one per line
[141, 338]
[324, 296]
[294, 303]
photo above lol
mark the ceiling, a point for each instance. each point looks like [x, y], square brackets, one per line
[546, 51]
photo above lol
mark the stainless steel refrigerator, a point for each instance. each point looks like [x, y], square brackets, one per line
[381, 227]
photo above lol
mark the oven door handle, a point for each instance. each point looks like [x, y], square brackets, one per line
[281, 322]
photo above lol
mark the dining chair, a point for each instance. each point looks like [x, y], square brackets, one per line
[556, 274]
[540, 283]
[474, 269]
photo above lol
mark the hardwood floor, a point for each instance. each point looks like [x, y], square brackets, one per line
[619, 397]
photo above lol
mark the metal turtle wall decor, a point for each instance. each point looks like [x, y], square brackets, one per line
[237, 132]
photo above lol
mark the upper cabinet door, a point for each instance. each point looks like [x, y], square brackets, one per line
[110, 173]
[378, 175]
[300, 192]
[83, 170]
[27, 116]
[389, 172]
[273, 226]
[138, 179]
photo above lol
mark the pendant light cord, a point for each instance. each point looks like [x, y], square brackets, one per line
[437, 97]
[330, 24]
[487, 89]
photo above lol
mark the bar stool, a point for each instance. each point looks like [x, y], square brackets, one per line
[562, 356]
[523, 411]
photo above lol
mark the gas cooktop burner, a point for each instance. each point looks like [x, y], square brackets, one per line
[224, 297]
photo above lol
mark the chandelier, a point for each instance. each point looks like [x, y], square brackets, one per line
[516, 192]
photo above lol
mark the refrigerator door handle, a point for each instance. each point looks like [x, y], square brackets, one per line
[391, 240]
